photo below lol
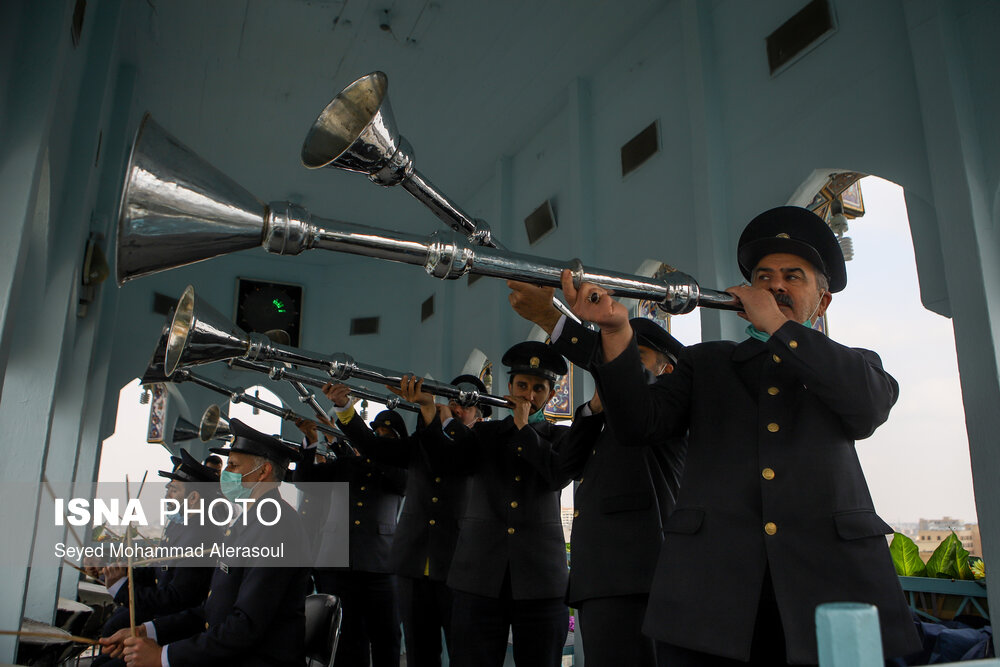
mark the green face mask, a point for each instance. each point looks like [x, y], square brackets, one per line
[232, 485]
[537, 417]
[754, 332]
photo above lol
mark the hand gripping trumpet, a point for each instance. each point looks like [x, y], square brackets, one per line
[280, 372]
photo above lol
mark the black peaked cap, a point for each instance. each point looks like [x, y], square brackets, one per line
[188, 469]
[652, 335]
[255, 443]
[797, 231]
[535, 358]
[392, 420]
[468, 382]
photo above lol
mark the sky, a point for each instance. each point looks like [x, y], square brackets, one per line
[917, 463]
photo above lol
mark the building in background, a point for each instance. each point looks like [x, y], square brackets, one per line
[931, 532]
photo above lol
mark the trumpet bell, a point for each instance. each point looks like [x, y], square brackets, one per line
[155, 368]
[213, 425]
[356, 131]
[184, 430]
[199, 334]
[166, 183]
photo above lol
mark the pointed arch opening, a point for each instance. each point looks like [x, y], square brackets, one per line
[917, 464]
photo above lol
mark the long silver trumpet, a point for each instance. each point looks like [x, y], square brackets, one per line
[214, 426]
[184, 430]
[177, 209]
[155, 374]
[199, 334]
[357, 132]
[305, 396]
[279, 373]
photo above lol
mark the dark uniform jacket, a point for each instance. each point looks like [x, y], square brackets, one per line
[624, 494]
[167, 589]
[254, 615]
[428, 525]
[771, 481]
[376, 492]
[512, 516]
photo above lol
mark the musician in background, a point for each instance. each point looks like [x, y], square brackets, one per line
[214, 462]
[509, 569]
[427, 532]
[624, 494]
[773, 508]
[165, 588]
[255, 612]
[367, 589]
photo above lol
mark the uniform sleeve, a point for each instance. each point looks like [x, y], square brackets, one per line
[639, 413]
[849, 381]
[578, 344]
[455, 452]
[187, 588]
[383, 450]
[174, 627]
[307, 470]
[579, 442]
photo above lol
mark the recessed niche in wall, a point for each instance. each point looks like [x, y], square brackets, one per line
[810, 26]
[264, 306]
[640, 148]
[540, 222]
[362, 326]
[427, 308]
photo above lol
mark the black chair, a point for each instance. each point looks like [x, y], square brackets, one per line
[323, 616]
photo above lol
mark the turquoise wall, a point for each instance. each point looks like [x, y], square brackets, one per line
[506, 105]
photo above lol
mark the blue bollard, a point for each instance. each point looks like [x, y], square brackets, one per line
[848, 635]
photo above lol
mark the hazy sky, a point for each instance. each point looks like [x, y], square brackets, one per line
[917, 464]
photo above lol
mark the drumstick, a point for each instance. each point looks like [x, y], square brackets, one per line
[131, 583]
[49, 635]
[76, 567]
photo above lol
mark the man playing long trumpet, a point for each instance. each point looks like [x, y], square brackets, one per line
[427, 532]
[624, 495]
[774, 512]
[509, 568]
